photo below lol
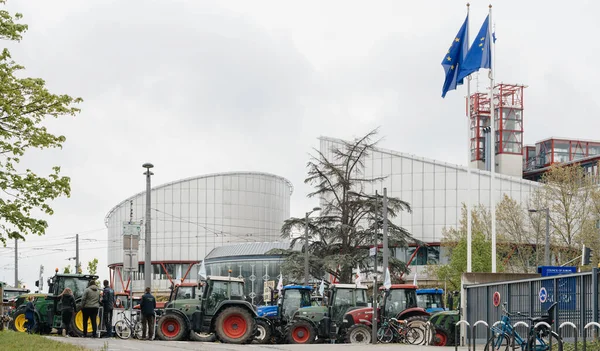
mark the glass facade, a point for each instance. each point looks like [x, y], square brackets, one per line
[436, 192]
[260, 274]
[190, 217]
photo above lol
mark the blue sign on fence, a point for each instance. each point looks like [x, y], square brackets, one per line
[566, 287]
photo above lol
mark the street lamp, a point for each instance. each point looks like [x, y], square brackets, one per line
[306, 244]
[547, 248]
[148, 239]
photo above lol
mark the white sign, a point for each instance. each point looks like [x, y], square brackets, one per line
[130, 261]
[372, 251]
[132, 228]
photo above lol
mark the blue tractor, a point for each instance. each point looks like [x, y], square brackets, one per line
[272, 320]
[432, 300]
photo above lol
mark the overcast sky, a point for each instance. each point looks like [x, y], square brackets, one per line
[198, 87]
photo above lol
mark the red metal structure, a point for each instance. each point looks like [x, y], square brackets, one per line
[508, 103]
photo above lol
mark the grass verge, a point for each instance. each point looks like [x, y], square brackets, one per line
[10, 340]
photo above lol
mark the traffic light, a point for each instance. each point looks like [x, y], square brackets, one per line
[586, 254]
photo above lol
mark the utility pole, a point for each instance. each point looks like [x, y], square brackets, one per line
[385, 230]
[306, 270]
[16, 263]
[77, 268]
[374, 319]
[41, 281]
[148, 241]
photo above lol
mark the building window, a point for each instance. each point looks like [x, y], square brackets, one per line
[425, 255]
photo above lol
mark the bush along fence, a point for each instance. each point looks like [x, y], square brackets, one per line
[557, 312]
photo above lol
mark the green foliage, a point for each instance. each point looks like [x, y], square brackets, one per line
[24, 104]
[456, 241]
[93, 266]
[341, 235]
[67, 269]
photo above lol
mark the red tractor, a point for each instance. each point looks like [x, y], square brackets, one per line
[399, 302]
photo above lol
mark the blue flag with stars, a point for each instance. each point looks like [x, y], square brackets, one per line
[454, 59]
[480, 53]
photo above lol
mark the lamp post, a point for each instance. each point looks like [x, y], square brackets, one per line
[547, 247]
[148, 239]
[306, 244]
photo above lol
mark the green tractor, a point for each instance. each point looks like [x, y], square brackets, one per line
[214, 308]
[326, 322]
[48, 306]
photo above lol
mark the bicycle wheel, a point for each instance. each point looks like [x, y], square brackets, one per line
[498, 342]
[137, 330]
[122, 330]
[542, 339]
[414, 335]
[385, 335]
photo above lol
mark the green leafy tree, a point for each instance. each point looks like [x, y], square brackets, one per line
[67, 269]
[340, 236]
[93, 266]
[24, 105]
[455, 242]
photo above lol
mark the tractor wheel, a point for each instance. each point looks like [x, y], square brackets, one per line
[235, 325]
[442, 337]
[301, 332]
[202, 337]
[77, 324]
[359, 334]
[171, 327]
[263, 332]
[18, 322]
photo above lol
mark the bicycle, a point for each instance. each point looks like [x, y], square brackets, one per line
[124, 326]
[538, 339]
[396, 330]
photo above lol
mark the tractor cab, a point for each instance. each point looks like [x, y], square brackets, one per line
[9, 295]
[184, 294]
[76, 282]
[431, 300]
[397, 299]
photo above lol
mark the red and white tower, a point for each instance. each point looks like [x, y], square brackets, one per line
[508, 124]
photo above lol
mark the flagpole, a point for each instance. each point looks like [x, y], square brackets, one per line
[469, 227]
[493, 147]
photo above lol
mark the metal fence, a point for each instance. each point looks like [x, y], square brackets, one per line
[576, 294]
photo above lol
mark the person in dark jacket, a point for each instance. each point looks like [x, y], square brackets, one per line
[30, 315]
[147, 306]
[67, 302]
[108, 301]
[90, 303]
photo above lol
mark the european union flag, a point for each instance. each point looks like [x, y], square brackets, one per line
[454, 59]
[480, 53]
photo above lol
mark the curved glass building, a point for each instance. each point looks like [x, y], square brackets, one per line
[190, 217]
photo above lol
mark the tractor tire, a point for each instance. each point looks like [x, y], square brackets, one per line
[77, 324]
[18, 322]
[263, 332]
[359, 334]
[172, 327]
[442, 337]
[202, 337]
[235, 325]
[301, 332]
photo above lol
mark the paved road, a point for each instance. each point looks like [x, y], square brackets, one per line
[134, 345]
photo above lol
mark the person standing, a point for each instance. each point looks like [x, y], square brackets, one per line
[67, 302]
[30, 315]
[108, 301]
[90, 303]
[147, 307]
